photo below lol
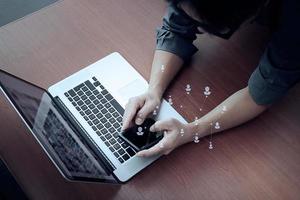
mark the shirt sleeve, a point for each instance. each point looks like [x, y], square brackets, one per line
[279, 67]
[177, 33]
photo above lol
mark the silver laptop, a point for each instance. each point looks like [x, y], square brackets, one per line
[78, 120]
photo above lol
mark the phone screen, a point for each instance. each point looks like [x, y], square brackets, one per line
[140, 137]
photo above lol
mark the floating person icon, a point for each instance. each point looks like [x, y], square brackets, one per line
[188, 88]
[140, 131]
[154, 112]
[217, 125]
[170, 100]
[181, 132]
[196, 138]
[210, 145]
[207, 91]
[162, 68]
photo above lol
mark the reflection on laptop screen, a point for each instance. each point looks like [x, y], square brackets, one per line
[69, 153]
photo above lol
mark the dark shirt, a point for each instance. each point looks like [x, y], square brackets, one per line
[279, 67]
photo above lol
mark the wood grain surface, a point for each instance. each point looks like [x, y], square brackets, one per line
[258, 160]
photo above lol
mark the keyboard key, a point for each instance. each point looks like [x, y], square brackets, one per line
[88, 93]
[102, 87]
[94, 78]
[74, 104]
[107, 105]
[87, 102]
[119, 119]
[108, 136]
[117, 146]
[125, 157]
[116, 135]
[90, 123]
[66, 94]
[80, 93]
[95, 111]
[124, 145]
[70, 99]
[130, 151]
[107, 143]
[83, 97]
[86, 118]
[103, 111]
[111, 110]
[82, 113]
[100, 106]
[103, 120]
[103, 131]
[96, 101]
[99, 96]
[96, 121]
[104, 92]
[112, 120]
[87, 112]
[119, 140]
[96, 92]
[72, 93]
[77, 108]
[98, 133]
[116, 154]
[77, 88]
[94, 128]
[80, 103]
[92, 117]
[108, 115]
[112, 141]
[100, 126]
[84, 107]
[115, 114]
[117, 106]
[76, 98]
[97, 83]
[107, 125]
[121, 151]
[99, 115]
[111, 129]
[121, 160]
[111, 149]
[84, 89]
[109, 97]
[89, 85]
[102, 138]
[103, 101]
[92, 97]
[91, 106]
[117, 125]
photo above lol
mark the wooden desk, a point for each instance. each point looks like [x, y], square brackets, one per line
[259, 160]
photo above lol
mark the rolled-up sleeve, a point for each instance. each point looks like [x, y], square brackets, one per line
[177, 33]
[279, 67]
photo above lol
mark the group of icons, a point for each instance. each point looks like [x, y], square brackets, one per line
[188, 89]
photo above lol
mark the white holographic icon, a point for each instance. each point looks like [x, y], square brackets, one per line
[207, 91]
[140, 131]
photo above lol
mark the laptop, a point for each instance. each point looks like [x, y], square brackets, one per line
[77, 121]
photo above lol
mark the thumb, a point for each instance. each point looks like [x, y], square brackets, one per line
[143, 113]
[159, 126]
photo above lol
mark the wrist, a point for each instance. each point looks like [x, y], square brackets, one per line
[155, 91]
[199, 127]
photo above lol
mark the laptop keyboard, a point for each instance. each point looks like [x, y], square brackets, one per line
[103, 113]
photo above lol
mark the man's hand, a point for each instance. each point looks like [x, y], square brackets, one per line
[175, 134]
[139, 107]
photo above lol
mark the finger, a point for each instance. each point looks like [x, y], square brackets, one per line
[143, 113]
[130, 111]
[160, 126]
[159, 148]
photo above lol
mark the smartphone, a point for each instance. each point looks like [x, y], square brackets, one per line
[140, 137]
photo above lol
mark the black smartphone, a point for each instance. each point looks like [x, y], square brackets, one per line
[140, 137]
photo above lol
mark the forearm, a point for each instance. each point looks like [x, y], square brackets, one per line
[161, 77]
[240, 108]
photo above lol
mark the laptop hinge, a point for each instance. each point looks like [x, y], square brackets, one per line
[95, 150]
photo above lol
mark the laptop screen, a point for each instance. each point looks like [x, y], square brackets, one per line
[57, 136]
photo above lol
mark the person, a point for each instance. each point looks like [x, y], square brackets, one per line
[277, 71]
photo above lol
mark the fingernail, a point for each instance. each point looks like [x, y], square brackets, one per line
[152, 129]
[138, 121]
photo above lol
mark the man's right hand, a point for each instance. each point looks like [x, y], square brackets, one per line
[138, 108]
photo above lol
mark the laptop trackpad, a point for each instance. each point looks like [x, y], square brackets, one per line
[132, 89]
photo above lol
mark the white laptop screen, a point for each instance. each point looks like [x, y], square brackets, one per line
[62, 143]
